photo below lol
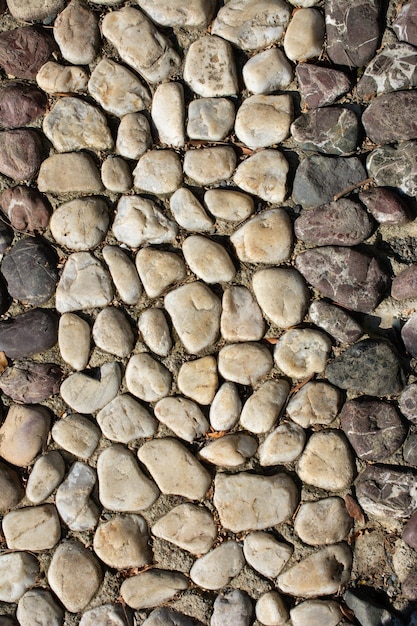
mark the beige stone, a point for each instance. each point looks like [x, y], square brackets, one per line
[18, 572]
[168, 113]
[189, 212]
[24, 433]
[115, 174]
[73, 172]
[315, 403]
[113, 333]
[263, 121]
[198, 379]
[153, 587]
[270, 609]
[133, 136]
[33, 528]
[208, 166]
[244, 363]
[302, 352]
[265, 554]
[123, 542]
[158, 172]
[123, 273]
[80, 224]
[89, 392]
[282, 294]
[216, 569]
[262, 409]
[225, 408]
[183, 416]
[230, 205]
[76, 434]
[147, 378]
[158, 270]
[323, 521]
[241, 318]
[77, 33]
[139, 221]
[266, 238]
[55, 78]
[188, 526]
[229, 451]
[153, 327]
[264, 174]
[209, 67]
[123, 420]
[74, 340]
[283, 445]
[304, 38]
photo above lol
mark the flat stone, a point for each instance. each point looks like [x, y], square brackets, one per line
[76, 434]
[188, 526]
[394, 166]
[410, 450]
[24, 50]
[241, 318]
[20, 104]
[302, 352]
[381, 120]
[127, 29]
[34, 10]
[349, 277]
[386, 492]
[33, 528]
[407, 403]
[335, 321]
[122, 485]
[262, 409]
[55, 78]
[139, 221]
[77, 33]
[264, 174]
[265, 554]
[375, 357]
[216, 569]
[26, 208]
[74, 575]
[409, 335]
[208, 166]
[154, 329]
[174, 468]
[330, 130]
[316, 402]
[230, 205]
[112, 332]
[23, 433]
[39, 605]
[319, 574]
[30, 382]
[84, 284]
[209, 67]
[233, 607]
[78, 511]
[18, 572]
[304, 37]
[123, 420]
[47, 473]
[168, 113]
[398, 64]
[196, 13]
[80, 224]
[123, 542]
[244, 363]
[405, 24]
[267, 71]
[198, 379]
[74, 172]
[20, 153]
[282, 295]
[74, 340]
[133, 136]
[182, 416]
[229, 451]
[323, 522]
[327, 462]
[147, 378]
[115, 174]
[159, 270]
[208, 260]
[169, 617]
[368, 613]
[195, 313]
[249, 26]
[226, 406]
[270, 609]
[266, 238]
[263, 121]
[123, 273]
[310, 612]
[152, 587]
[283, 445]
[189, 212]
[385, 206]
[210, 119]
[28, 333]
[320, 85]
[11, 488]
[91, 390]
[110, 614]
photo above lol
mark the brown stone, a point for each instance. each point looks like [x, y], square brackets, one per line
[26, 208]
[20, 153]
[31, 382]
[20, 104]
[404, 286]
[24, 50]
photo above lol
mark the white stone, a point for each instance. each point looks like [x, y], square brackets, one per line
[153, 327]
[241, 318]
[84, 284]
[263, 121]
[208, 166]
[312, 612]
[139, 221]
[265, 554]
[108, 614]
[232, 607]
[152, 587]
[264, 174]
[47, 473]
[78, 511]
[302, 352]
[168, 113]
[33, 528]
[323, 522]
[283, 445]
[315, 403]
[188, 211]
[159, 270]
[266, 238]
[229, 451]
[133, 136]
[147, 378]
[225, 408]
[115, 174]
[34, 9]
[80, 224]
[74, 340]
[304, 3]
[113, 333]
[267, 71]
[210, 119]
[196, 13]
[262, 409]
[123, 542]
[183, 416]
[24, 433]
[244, 363]
[226, 204]
[188, 526]
[77, 435]
[123, 420]
[270, 609]
[327, 461]
[18, 572]
[158, 172]
[209, 67]
[123, 273]
[208, 259]
[198, 379]
[77, 33]
[304, 38]
[37, 606]
[89, 392]
[282, 295]
[73, 172]
[55, 78]
[216, 569]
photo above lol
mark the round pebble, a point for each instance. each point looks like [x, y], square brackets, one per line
[77, 33]
[233, 206]
[282, 295]
[139, 221]
[270, 609]
[304, 37]
[315, 403]
[208, 260]
[265, 553]
[210, 119]
[158, 172]
[244, 363]
[263, 121]
[80, 224]
[77, 435]
[267, 71]
[198, 379]
[123, 542]
[262, 409]
[264, 174]
[208, 58]
[233, 607]
[188, 526]
[302, 352]
[241, 318]
[266, 238]
[322, 522]
[115, 174]
[184, 417]
[147, 378]
[113, 333]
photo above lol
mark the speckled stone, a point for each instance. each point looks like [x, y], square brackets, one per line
[282, 295]
[159, 270]
[73, 172]
[208, 166]
[394, 166]
[147, 378]
[26, 208]
[264, 174]
[21, 153]
[244, 363]
[123, 542]
[209, 67]
[304, 37]
[407, 403]
[404, 286]
[283, 445]
[154, 329]
[188, 526]
[152, 587]
[330, 130]
[301, 352]
[20, 104]
[80, 224]
[47, 473]
[90, 390]
[123, 420]
[18, 572]
[327, 461]
[68, 79]
[23, 433]
[265, 554]
[76, 434]
[158, 172]
[189, 212]
[323, 522]
[208, 259]
[216, 569]
[398, 61]
[198, 379]
[183, 416]
[168, 113]
[320, 85]
[133, 136]
[123, 273]
[317, 402]
[84, 284]
[335, 321]
[113, 333]
[410, 450]
[24, 50]
[210, 119]
[262, 409]
[78, 511]
[225, 408]
[77, 33]
[139, 221]
[382, 121]
[229, 451]
[28, 333]
[266, 238]
[383, 491]
[386, 206]
[267, 71]
[263, 120]
[241, 318]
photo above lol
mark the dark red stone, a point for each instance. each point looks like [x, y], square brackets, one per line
[29, 333]
[391, 117]
[385, 205]
[404, 286]
[24, 50]
[31, 382]
[320, 85]
[26, 208]
[335, 321]
[410, 531]
[407, 403]
[385, 491]
[409, 586]
[405, 26]
[21, 104]
[409, 335]
[20, 153]
[394, 68]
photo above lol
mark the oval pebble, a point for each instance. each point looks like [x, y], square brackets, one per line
[153, 327]
[241, 318]
[283, 445]
[147, 378]
[29, 333]
[184, 417]
[47, 473]
[282, 295]
[188, 526]
[225, 408]
[77, 33]
[24, 433]
[225, 204]
[270, 609]
[115, 174]
[262, 409]
[123, 273]
[198, 379]
[152, 587]
[265, 553]
[123, 542]
[208, 259]
[244, 363]
[80, 224]
[302, 352]
[124, 420]
[76, 434]
[266, 238]
[209, 166]
[113, 333]
[55, 78]
[74, 340]
[327, 461]
[159, 270]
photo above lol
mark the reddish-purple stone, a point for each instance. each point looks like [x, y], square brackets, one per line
[386, 492]
[26, 208]
[31, 382]
[410, 531]
[394, 68]
[21, 104]
[409, 335]
[20, 153]
[407, 403]
[385, 205]
[405, 26]
[409, 586]
[333, 130]
[320, 85]
[335, 321]
[404, 286]
[391, 117]
[29, 333]
[24, 50]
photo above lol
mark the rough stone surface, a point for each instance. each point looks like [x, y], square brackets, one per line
[382, 121]
[18, 572]
[77, 33]
[244, 363]
[233, 607]
[76, 434]
[283, 445]
[323, 521]
[210, 118]
[209, 166]
[84, 284]
[410, 450]
[33, 528]
[90, 390]
[112, 332]
[31, 332]
[152, 587]
[154, 329]
[225, 408]
[188, 526]
[386, 206]
[30, 382]
[335, 321]
[320, 85]
[24, 433]
[267, 71]
[24, 50]
[265, 554]
[123, 420]
[262, 409]
[198, 379]
[123, 273]
[74, 340]
[20, 104]
[263, 121]
[317, 402]
[302, 352]
[139, 221]
[123, 542]
[78, 511]
[208, 260]
[304, 37]
[398, 61]
[196, 13]
[241, 318]
[68, 79]
[159, 270]
[330, 130]
[386, 492]
[158, 172]
[73, 172]
[47, 473]
[394, 166]
[39, 605]
[282, 295]
[216, 569]
[404, 285]
[20, 153]
[80, 224]
[209, 67]
[409, 532]
[27, 210]
[405, 24]
[229, 451]
[264, 174]
[266, 238]
[147, 378]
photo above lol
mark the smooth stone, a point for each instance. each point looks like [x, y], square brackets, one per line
[189, 212]
[409, 533]
[147, 378]
[262, 409]
[335, 321]
[320, 574]
[39, 606]
[122, 485]
[229, 451]
[133, 136]
[78, 511]
[302, 352]
[327, 461]
[20, 104]
[209, 67]
[198, 379]
[123, 420]
[405, 24]
[367, 613]
[210, 119]
[168, 113]
[80, 224]
[123, 542]
[244, 363]
[375, 357]
[265, 554]
[311, 612]
[127, 29]
[18, 572]
[382, 122]
[264, 174]
[188, 526]
[91, 390]
[117, 89]
[26, 208]
[195, 14]
[23, 433]
[20, 153]
[47, 473]
[74, 340]
[74, 575]
[349, 277]
[398, 61]
[73, 172]
[410, 450]
[168, 617]
[304, 37]
[84, 284]
[30, 382]
[76, 434]
[11, 488]
[154, 329]
[33, 528]
[112, 332]
[216, 569]
[77, 33]
[409, 335]
[263, 121]
[320, 85]
[232, 607]
[24, 50]
[394, 166]
[195, 313]
[184, 417]
[109, 614]
[159, 270]
[282, 295]
[338, 174]
[123, 273]
[270, 609]
[283, 445]
[226, 204]
[330, 130]
[385, 206]
[28, 333]
[139, 221]
[208, 166]
[241, 318]
[226, 407]
[383, 491]
[266, 238]
[248, 27]
[68, 79]
[174, 468]
[208, 260]
[267, 71]
[317, 402]
[407, 403]
[150, 588]
[115, 174]
[34, 10]
[323, 522]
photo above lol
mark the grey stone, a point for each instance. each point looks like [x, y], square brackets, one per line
[405, 23]
[241, 318]
[33, 528]
[31, 332]
[335, 321]
[74, 340]
[323, 522]
[210, 119]
[40, 606]
[80, 224]
[267, 71]
[330, 130]
[320, 85]
[225, 408]
[152, 587]
[189, 212]
[304, 37]
[196, 13]
[47, 473]
[263, 120]
[383, 491]
[394, 166]
[84, 284]
[317, 402]
[208, 260]
[139, 221]
[209, 166]
[147, 378]
[159, 270]
[76, 434]
[123, 542]
[168, 113]
[283, 445]
[112, 332]
[11, 488]
[34, 10]
[266, 238]
[18, 572]
[209, 67]
[123, 273]
[133, 136]
[265, 554]
[31, 382]
[264, 174]
[410, 450]
[168, 617]
[188, 526]
[23, 433]
[198, 379]
[231, 450]
[123, 420]
[231, 608]
[311, 612]
[216, 569]
[154, 329]
[398, 61]
[367, 613]
[230, 205]
[55, 78]
[301, 352]
[91, 390]
[73, 172]
[244, 363]
[262, 409]
[270, 609]
[78, 511]
[282, 295]
[158, 172]
[77, 33]
[115, 174]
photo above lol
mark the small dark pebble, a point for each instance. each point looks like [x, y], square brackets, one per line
[384, 491]
[385, 205]
[410, 531]
[11, 489]
[410, 450]
[21, 153]
[26, 208]
[332, 130]
[31, 382]
[24, 50]
[391, 117]
[407, 403]
[335, 321]
[395, 67]
[29, 333]
[21, 104]
[320, 85]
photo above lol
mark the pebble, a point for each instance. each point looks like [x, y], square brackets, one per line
[381, 120]
[123, 273]
[248, 28]
[73, 172]
[385, 206]
[80, 224]
[283, 445]
[154, 329]
[77, 33]
[55, 78]
[159, 270]
[31, 382]
[74, 340]
[109, 614]
[18, 572]
[174, 468]
[404, 285]
[112, 332]
[78, 511]
[184, 417]
[20, 153]
[35, 11]
[73, 124]
[27, 209]
[216, 569]
[195, 14]
[123, 420]
[39, 606]
[168, 114]
[386, 492]
[152, 587]
[323, 522]
[23, 433]
[139, 221]
[208, 166]
[265, 554]
[267, 71]
[24, 50]
[226, 406]
[368, 613]
[409, 532]
[169, 617]
[133, 136]
[319, 574]
[407, 403]
[29, 333]
[189, 212]
[198, 379]
[11, 489]
[270, 609]
[241, 318]
[262, 409]
[320, 85]
[327, 462]
[302, 352]
[311, 612]
[91, 390]
[33, 528]
[208, 260]
[304, 37]
[74, 575]
[147, 378]
[76, 434]
[20, 104]
[398, 61]
[230, 205]
[127, 29]
[195, 313]
[316, 402]
[229, 451]
[232, 607]
[282, 295]
[84, 284]
[392, 166]
[115, 174]
[405, 24]
[410, 450]
[123, 542]
[209, 67]
[188, 526]
[117, 89]
[210, 119]
[330, 130]
[349, 277]
[264, 174]
[244, 363]
[263, 121]
[409, 335]
[267, 501]
[377, 358]
[335, 321]
[47, 473]
[266, 238]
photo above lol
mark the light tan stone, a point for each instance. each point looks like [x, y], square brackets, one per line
[266, 238]
[244, 363]
[183, 416]
[263, 121]
[123, 542]
[262, 409]
[188, 526]
[264, 174]
[198, 379]
[158, 270]
[74, 340]
[55, 78]
[24, 433]
[208, 260]
[33, 528]
[282, 294]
